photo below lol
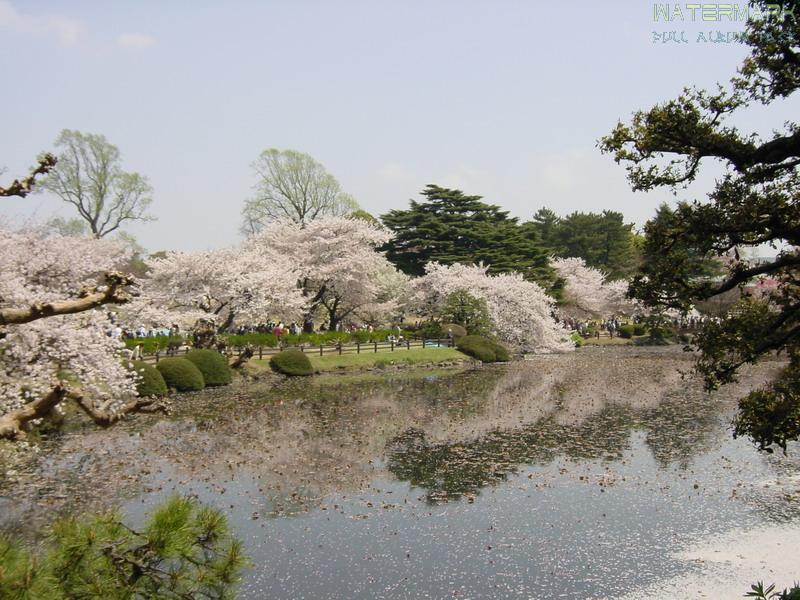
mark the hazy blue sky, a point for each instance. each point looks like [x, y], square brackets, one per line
[500, 98]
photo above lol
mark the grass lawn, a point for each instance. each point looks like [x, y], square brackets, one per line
[333, 362]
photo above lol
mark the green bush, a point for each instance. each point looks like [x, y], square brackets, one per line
[626, 331]
[268, 340]
[577, 338]
[431, 330]
[468, 311]
[483, 349]
[457, 331]
[151, 345]
[501, 353]
[361, 336]
[181, 374]
[212, 365]
[639, 329]
[185, 550]
[151, 382]
[291, 362]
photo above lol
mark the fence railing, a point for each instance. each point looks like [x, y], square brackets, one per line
[321, 350]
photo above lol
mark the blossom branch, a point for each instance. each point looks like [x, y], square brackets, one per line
[115, 291]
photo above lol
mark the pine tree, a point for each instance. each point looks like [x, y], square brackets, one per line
[451, 227]
[184, 551]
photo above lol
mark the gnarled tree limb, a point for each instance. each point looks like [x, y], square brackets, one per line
[23, 187]
[12, 424]
[104, 417]
[115, 291]
[245, 355]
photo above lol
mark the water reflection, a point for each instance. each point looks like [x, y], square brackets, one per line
[551, 421]
[571, 475]
[452, 433]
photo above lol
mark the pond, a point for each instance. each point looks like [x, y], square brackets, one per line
[588, 475]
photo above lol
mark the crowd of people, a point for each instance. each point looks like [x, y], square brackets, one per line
[277, 328]
[611, 325]
[587, 327]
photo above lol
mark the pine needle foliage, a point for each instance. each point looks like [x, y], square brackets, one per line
[185, 551]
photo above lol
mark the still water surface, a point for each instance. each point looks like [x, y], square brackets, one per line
[564, 477]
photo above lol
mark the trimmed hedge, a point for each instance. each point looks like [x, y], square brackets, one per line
[501, 353]
[291, 362]
[151, 382]
[455, 329]
[151, 345]
[212, 365]
[627, 331]
[485, 350]
[181, 374]
[312, 339]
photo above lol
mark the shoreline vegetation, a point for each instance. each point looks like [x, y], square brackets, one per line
[416, 357]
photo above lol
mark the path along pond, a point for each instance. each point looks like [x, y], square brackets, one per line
[587, 475]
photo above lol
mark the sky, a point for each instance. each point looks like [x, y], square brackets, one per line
[501, 98]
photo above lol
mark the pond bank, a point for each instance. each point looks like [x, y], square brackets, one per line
[415, 357]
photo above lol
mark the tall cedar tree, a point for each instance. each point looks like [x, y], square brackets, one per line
[451, 227]
[755, 202]
[604, 241]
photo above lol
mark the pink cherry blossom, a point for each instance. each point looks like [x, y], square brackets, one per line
[521, 311]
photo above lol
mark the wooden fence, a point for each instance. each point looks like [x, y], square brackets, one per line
[261, 352]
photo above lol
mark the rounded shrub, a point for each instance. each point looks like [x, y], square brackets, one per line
[212, 365]
[485, 350]
[361, 336]
[501, 353]
[454, 329]
[626, 331]
[181, 374]
[577, 338]
[291, 362]
[151, 382]
[431, 329]
[639, 329]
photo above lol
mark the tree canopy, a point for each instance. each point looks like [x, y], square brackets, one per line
[604, 241]
[292, 185]
[755, 202]
[89, 177]
[451, 227]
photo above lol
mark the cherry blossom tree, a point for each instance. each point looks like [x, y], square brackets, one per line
[54, 339]
[242, 284]
[587, 293]
[520, 310]
[340, 269]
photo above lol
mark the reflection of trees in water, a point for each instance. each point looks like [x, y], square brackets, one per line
[451, 432]
[681, 428]
[451, 470]
[679, 425]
